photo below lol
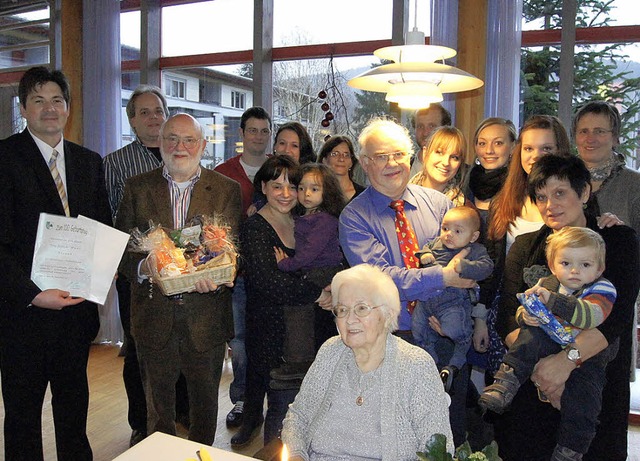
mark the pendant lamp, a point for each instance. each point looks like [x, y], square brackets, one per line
[415, 79]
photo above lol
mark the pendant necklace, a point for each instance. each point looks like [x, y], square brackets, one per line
[371, 378]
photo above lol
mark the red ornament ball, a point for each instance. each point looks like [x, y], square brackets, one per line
[329, 116]
[322, 94]
[325, 106]
[325, 123]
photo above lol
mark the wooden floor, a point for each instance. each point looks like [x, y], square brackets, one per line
[109, 431]
[107, 425]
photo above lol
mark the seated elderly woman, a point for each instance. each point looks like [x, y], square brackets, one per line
[368, 395]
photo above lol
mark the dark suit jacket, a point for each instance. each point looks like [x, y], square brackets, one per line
[209, 316]
[27, 189]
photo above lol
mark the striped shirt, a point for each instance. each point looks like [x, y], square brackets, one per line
[584, 309]
[180, 194]
[131, 160]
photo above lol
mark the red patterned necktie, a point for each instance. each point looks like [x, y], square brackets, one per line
[407, 241]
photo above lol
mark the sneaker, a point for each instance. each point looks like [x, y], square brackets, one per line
[290, 371]
[235, 416]
[498, 396]
[561, 453]
[447, 375]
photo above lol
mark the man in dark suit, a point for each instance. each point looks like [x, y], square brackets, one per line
[44, 334]
[187, 332]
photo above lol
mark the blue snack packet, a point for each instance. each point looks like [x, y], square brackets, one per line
[548, 322]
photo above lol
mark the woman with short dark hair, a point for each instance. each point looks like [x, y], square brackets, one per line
[559, 187]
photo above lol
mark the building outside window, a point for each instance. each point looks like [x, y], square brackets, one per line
[238, 100]
[175, 88]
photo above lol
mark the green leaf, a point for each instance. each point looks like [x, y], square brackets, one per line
[436, 449]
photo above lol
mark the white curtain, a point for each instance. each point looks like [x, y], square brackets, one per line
[444, 32]
[502, 75]
[102, 106]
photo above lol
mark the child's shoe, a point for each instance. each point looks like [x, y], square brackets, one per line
[447, 375]
[565, 454]
[498, 396]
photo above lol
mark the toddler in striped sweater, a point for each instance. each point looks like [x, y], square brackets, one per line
[580, 298]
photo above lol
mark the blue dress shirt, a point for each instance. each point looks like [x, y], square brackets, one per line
[368, 235]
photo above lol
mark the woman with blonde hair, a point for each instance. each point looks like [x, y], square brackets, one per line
[444, 167]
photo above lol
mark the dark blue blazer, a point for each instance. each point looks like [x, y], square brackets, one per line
[27, 189]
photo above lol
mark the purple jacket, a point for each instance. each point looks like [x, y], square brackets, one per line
[317, 243]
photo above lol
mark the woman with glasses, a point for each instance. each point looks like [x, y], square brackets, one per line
[444, 167]
[369, 394]
[338, 154]
[615, 187]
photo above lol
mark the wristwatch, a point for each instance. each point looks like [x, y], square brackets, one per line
[573, 354]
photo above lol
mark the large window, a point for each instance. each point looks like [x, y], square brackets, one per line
[207, 27]
[24, 38]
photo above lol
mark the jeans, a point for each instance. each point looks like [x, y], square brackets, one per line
[453, 309]
[238, 352]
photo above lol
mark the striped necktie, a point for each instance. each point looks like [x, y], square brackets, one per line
[53, 162]
[407, 242]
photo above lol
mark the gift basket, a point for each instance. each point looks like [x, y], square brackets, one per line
[179, 258]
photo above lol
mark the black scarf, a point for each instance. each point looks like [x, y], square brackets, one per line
[485, 184]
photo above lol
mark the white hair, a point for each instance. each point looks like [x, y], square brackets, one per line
[388, 128]
[383, 290]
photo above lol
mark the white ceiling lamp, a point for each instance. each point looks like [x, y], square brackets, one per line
[415, 79]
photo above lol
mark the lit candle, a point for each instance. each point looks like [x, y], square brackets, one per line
[285, 453]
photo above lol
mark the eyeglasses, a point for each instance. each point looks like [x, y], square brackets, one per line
[255, 131]
[360, 309]
[597, 132]
[336, 154]
[173, 141]
[383, 159]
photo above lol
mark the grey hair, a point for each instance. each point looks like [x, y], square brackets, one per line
[144, 89]
[388, 128]
[196, 123]
[383, 293]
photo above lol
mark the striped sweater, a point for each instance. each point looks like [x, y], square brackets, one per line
[584, 309]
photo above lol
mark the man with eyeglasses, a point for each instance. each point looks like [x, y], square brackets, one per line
[146, 110]
[387, 223]
[185, 333]
[255, 132]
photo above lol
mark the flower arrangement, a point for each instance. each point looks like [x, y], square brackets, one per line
[204, 248]
[436, 450]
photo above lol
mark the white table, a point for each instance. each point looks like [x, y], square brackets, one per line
[164, 447]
